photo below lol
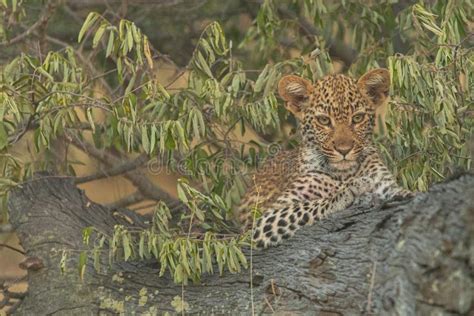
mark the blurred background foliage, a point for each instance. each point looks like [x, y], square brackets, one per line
[168, 105]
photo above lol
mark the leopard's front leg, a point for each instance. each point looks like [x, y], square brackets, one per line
[380, 181]
[282, 221]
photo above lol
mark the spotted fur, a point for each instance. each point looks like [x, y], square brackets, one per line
[336, 163]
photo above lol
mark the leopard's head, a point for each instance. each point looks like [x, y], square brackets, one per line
[337, 113]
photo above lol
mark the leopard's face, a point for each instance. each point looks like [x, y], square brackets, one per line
[337, 113]
[339, 120]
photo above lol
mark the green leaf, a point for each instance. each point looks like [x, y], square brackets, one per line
[110, 44]
[179, 305]
[91, 18]
[241, 256]
[199, 214]
[63, 261]
[141, 246]
[207, 259]
[163, 91]
[261, 79]
[82, 264]
[96, 259]
[203, 65]
[42, 71]
[181, 194]
[98, 34]
[86, 234]
[129, 39]
[153, 138]
[145, 140]
[3, 136]
[131, 84]
[127, 249]
[147, 52]
[90, 119]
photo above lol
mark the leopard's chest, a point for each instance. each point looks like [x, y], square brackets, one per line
[315, 185]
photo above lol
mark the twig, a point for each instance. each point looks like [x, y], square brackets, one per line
[85, 62]
[342, 51]
[142, 207]
[73, 14]
[269, 305]
[48, 11]
[251, 247]
[371, 288]
[179, 75]
[12, 248]
[15, 138]
[138, 178]
[115, 171]
[123, 9]
[126, 201]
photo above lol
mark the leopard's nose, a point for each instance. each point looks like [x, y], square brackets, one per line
[343, 147]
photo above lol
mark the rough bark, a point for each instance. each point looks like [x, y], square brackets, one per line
[405, 259]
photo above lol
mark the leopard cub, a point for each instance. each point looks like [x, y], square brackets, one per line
[335, 164]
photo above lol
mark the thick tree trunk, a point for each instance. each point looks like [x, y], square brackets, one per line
[405, 259]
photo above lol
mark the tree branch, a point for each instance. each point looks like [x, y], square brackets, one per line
[86, 62]
[47, 12]
[126, 201]
[406, 259]
[115, 171]
[336, 48]
[138, 178]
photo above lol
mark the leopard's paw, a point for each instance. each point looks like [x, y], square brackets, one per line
[360, 186]
[368, 200]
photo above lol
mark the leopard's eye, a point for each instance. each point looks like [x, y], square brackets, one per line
[358, 118]
[324, 120]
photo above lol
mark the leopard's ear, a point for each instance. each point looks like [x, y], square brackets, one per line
[375, 84]
[295, 91]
